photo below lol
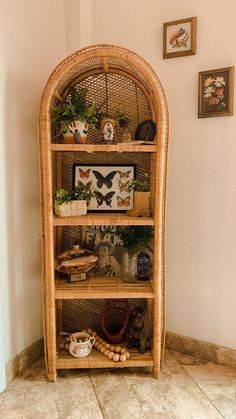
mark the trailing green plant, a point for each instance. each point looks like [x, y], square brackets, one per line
[79, 193]
[139, 185]
[136, 238]
[122, 118]
[75, 108]
[83, 192]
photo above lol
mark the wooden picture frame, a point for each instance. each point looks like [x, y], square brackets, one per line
[97, 237]
[111, 182]
[179, 37]
[215, 92]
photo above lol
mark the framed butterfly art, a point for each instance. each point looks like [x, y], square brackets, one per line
[111, 183]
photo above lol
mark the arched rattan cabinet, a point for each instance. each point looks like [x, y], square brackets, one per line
[128, 83]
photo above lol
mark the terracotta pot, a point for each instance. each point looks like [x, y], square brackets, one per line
[125, 135]
[68, 137]
[80, 131]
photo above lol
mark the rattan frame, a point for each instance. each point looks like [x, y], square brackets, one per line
[155, 95]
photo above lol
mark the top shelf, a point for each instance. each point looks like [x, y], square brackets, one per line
[119, 148]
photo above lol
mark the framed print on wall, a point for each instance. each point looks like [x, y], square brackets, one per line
[111, 183]
[179, 37]
[215, 92]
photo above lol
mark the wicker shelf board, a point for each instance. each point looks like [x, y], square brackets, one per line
[92, 219]
[90, 148]
[102, 287]
[97, 360]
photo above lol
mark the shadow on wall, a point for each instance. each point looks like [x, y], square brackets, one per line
[23, 322]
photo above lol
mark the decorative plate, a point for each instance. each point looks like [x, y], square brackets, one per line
[145, 131]
[145, 259]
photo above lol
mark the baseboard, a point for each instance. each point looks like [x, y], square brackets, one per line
[183, 344]
[24, 359]
[200, 349]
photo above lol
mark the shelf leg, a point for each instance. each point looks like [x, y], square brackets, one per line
[59, 316]
[52, 376]
[156, 372]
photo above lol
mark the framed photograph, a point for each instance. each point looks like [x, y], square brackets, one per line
[215, 92]
[106, 243]
[179, 37]
[111, 183]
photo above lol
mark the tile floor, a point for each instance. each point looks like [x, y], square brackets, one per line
[188, 388]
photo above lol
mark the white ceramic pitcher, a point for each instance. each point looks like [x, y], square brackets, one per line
[81, 349]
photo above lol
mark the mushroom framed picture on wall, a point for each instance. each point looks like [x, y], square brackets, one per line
[215, 92]
[179, 37]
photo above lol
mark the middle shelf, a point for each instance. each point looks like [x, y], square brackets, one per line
[92, 219]
[102, 287]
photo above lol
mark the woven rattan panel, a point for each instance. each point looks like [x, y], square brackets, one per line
[79, 314]
[95, 63]
[114, 92]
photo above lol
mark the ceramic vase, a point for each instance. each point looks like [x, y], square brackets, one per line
[80, 131]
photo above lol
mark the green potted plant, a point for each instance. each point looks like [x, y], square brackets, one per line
[73, 116]
[142, 193]
[123, 121]
[73, 203]
[135, 239]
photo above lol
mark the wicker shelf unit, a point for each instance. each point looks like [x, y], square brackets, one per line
[102, 287]
[128, 83]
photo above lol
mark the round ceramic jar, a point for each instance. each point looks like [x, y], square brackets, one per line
[81, 349]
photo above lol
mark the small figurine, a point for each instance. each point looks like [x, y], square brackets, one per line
[139, 331]
[108, 130]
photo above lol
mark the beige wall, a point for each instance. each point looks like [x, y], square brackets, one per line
[201, 228]
[201, 237]
[32, 44]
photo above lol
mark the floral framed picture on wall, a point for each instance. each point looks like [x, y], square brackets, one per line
[215, 92]
[179, 37]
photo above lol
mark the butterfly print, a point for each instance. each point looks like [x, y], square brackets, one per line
[124, 174]
[123, 186]
[104, 180]
[88, 185]
[84, 173]
[104, 198]
[123, 202]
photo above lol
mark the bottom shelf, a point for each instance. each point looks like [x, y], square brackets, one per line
[97, 360]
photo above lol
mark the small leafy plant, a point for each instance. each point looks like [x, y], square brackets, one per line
[79, 193]
[61, 196]
[83, 192]
[75, 108]
[139, 185]
[136, 238]
[122, 119]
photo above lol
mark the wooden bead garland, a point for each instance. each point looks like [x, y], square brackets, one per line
[115, 353]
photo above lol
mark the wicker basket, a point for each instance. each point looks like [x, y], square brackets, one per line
[72, 208]
[115, 320]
